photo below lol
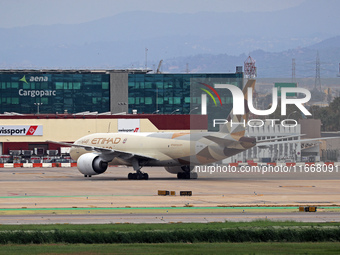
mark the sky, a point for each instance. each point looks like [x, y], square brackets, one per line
[18, 13]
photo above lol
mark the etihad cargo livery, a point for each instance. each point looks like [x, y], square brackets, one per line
[178, 152]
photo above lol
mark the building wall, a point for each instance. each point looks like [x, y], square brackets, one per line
[69, 128]
[20, 91]
[310, 127]
[168, 92]
[119, 92]
[106, 90]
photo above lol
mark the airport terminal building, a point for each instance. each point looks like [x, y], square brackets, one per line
[114, 91]
[63, 105]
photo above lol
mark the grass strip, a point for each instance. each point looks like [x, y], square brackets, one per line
[175, 248]
[235, 235]
[165, 226]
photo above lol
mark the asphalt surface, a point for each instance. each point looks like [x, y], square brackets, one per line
[168, 218]
[25, 192]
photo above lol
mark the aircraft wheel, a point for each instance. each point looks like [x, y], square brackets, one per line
[145, 176]
[138, 176]
[183, 175]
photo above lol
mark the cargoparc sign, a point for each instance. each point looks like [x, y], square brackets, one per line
[36, 92]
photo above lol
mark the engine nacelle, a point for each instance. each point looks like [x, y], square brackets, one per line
[91, 164]
[178, 169]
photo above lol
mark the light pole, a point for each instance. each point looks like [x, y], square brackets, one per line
[38, 105]
[193, 109]
[291, 113]
[177, 110]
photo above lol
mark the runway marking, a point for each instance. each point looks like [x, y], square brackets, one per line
[166, 208]
[28, 173]
[149, 211]
[13, 194]
[55, 177]
[297, 186]
[80, 196]
[313, 202]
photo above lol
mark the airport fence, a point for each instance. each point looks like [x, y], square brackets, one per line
[46, 165]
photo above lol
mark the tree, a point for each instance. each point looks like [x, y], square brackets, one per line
[329, 116]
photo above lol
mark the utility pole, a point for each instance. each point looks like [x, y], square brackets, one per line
[146, 59]
[38, 105]
[187, 68]
[293, 70]
[317, 84]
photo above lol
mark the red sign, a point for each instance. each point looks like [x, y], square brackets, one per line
[31, 130]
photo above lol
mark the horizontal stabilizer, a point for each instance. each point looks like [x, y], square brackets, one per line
[222, 141]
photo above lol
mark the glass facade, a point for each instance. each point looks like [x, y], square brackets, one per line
[55, 92]
[165, 93]
[84, 90]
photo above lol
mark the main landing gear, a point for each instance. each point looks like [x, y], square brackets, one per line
[139, 175]
[187, 175]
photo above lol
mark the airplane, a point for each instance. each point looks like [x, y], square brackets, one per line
[177, 152]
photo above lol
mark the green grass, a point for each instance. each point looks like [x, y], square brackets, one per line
[253, 234]
[314, 230]
[176, 248]
[163, 226]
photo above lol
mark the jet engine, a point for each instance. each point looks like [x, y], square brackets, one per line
[91, 164]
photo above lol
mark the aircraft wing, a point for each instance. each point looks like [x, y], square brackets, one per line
[108, 154]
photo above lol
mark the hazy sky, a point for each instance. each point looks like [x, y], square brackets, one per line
[15, 13]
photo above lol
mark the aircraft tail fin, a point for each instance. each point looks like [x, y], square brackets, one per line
[236, 123]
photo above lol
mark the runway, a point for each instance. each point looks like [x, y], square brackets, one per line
[167, 218]
[48, 195]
